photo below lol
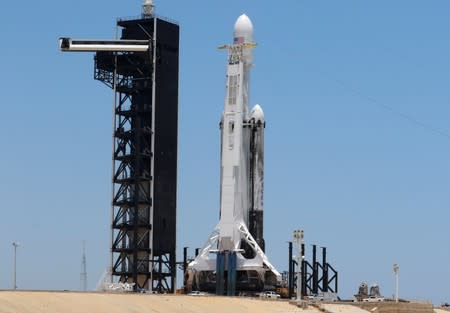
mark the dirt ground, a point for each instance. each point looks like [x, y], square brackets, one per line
[77, 302]
[92, 302]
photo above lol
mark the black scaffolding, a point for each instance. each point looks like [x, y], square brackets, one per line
[315, 277]
[145, 134]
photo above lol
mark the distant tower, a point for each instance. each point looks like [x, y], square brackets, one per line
[83, 275]
[395, 269]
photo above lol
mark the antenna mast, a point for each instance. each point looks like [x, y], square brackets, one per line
[148, 8]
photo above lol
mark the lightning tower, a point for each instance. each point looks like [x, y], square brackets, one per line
[83, 274]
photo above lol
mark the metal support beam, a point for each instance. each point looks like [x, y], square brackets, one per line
[220, 270]
[231, 274]
[315, 284]
[324, 270]
[291, 272]
[89, 45]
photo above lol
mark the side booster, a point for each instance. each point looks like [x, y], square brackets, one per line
[233, 258]
[256, 177]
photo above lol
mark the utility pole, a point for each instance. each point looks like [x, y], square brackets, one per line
[395, 269]
[298, 239]
[15, 245]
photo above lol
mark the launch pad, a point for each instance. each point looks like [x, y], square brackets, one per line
[142, 70]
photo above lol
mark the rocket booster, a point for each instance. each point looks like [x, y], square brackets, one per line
[242, 155]
[237, 240]
[256, 221]
[237, 200]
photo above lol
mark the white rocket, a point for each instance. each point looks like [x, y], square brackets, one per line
[240, 229]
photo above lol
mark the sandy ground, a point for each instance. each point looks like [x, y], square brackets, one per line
[342, 308]
[79, 302]
[74, 302]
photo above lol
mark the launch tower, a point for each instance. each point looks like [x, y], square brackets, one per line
[142, 70]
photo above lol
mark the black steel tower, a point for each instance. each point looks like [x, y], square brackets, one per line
[145, 152]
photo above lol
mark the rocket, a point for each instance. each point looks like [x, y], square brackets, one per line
[233, 258]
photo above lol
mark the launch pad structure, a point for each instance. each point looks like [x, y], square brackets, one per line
[311, 278]
[142, 70]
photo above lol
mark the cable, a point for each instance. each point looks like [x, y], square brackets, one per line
[386, 107]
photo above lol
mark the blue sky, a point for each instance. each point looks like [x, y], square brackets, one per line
[356, 100]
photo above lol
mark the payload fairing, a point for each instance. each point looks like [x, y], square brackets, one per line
[237, 241]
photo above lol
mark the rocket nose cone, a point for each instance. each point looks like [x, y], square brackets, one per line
[257, 114]
[243, 28]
